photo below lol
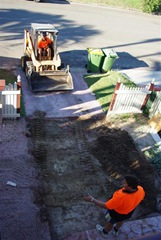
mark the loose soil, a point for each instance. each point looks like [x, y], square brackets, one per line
[56, 161]
[78, 156]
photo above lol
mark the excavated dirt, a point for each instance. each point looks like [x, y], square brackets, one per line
[77, 156]
[55, 162]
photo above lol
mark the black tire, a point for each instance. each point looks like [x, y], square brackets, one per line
[61, 66]
[28, 72]
[24, 59]
[37, 0]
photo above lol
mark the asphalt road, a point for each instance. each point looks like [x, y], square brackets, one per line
[136, 37]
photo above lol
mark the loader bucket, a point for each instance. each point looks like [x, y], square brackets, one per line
[54, 81]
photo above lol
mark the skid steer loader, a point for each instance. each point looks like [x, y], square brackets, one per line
[44, 72]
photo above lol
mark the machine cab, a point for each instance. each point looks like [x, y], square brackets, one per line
[38, 31]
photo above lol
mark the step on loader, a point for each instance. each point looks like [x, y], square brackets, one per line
[41, 63]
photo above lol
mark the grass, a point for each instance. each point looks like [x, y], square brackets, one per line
[127, 4]
[22, 107]
[149, 103]
[10, 77]
[103, 85]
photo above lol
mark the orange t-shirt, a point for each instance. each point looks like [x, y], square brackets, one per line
[123, 202]
[45, 43]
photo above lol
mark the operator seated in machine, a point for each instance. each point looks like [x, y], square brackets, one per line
[44, 47]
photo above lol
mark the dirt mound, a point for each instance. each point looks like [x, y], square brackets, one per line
[117, 153]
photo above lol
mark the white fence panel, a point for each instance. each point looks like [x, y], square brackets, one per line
[9, 100]
[129, 99]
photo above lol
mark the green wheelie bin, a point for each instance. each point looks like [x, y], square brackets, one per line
[95, 60]
[110, 56]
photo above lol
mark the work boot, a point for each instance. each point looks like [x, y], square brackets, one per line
[115, 230]
[100, 230]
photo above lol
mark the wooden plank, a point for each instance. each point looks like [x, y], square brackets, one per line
[11, 115]
[8, 92]
[2, 84]
[133, 91]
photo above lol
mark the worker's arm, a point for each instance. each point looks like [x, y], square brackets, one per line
[100, 204]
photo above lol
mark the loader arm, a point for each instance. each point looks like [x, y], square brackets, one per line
[29, 49]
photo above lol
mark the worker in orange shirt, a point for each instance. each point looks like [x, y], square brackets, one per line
[44, 46]
[120, 206]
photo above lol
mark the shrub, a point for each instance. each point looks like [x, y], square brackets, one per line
[149, 103]
[152, 6]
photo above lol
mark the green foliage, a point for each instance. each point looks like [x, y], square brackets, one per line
[149, 6]
[149, 103]
[153, 155]
[152, 6]
[22, 107]
[127, 4]
[8, 76]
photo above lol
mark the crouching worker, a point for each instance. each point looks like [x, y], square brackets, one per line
[121, 206]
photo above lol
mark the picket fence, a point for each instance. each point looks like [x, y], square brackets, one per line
[129, 100]
[10, 99]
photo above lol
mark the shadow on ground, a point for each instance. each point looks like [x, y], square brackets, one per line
[79, 58]
[52, 1]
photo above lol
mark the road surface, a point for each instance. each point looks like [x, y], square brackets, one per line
[136, 37]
